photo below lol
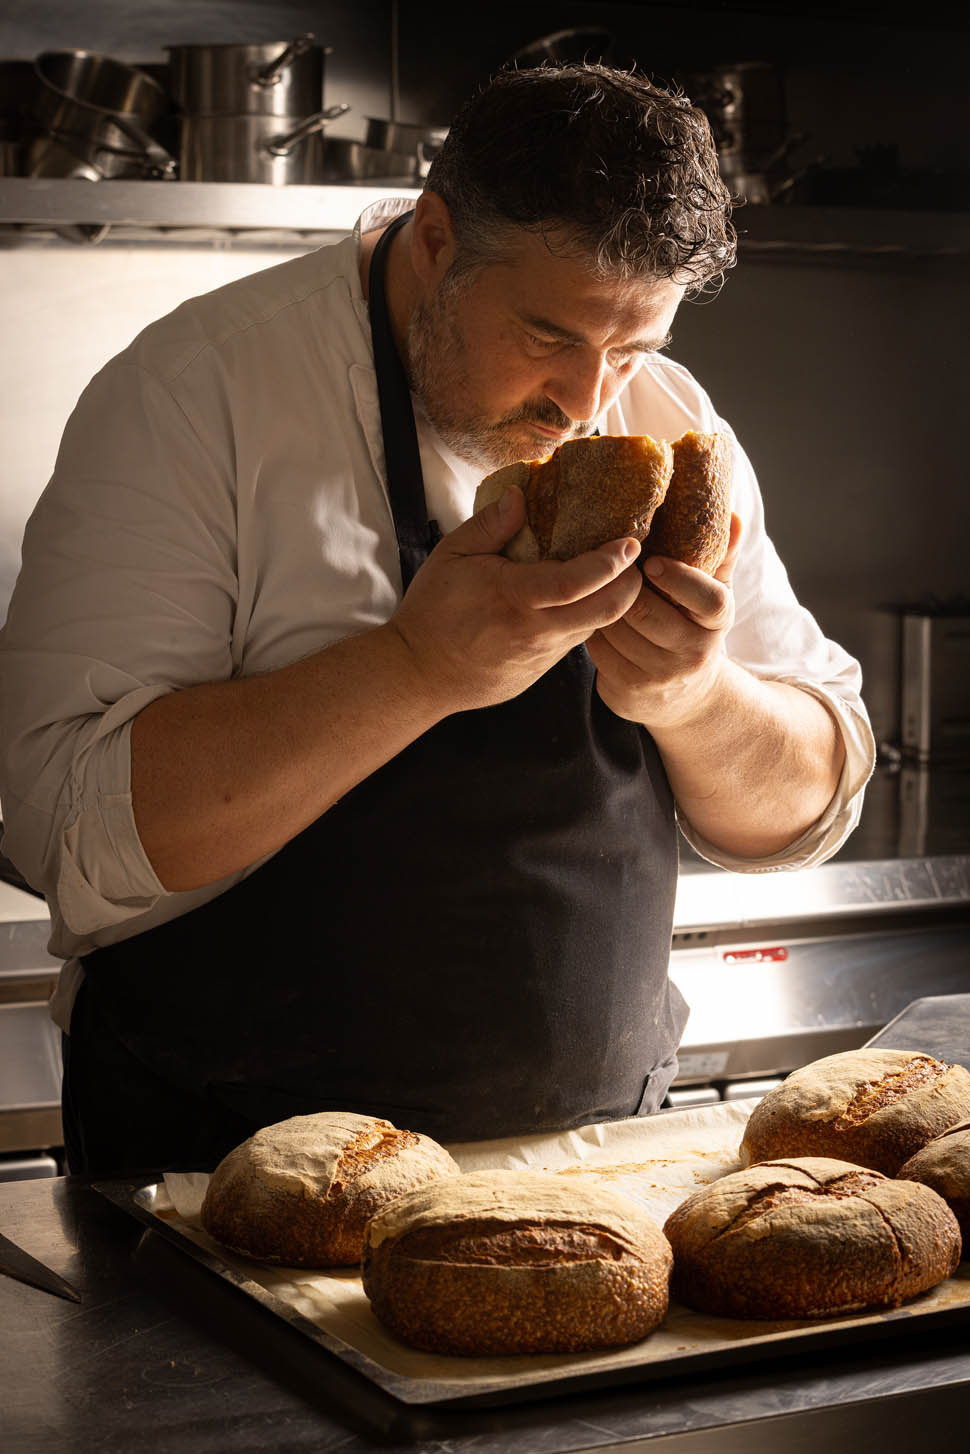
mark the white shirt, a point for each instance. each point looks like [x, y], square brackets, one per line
[218, 509]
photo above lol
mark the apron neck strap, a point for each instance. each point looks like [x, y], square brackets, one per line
[416, 534]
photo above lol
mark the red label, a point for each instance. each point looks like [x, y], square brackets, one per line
[755, 956]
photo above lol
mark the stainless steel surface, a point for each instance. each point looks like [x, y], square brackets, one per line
[15, 1262]
[30, 1078]
[936, 687]
[270, 79]
[345, 160]
[765, 1006]
[210, 206]
[96, 100]
[269, 150]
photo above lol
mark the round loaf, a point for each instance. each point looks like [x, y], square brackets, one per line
[944, 1164]
[301, 1191]
[874, 1108]
[809, 1238]
[498, 1262]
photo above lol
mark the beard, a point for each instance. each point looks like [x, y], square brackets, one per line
[439, 376]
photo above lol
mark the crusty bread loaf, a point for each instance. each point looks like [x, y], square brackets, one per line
[498, 1262]
[944, 1164]
[301, 1191]
[871, 1107]
[589, 491]
[693, 524]
[809, 1238]
[586, 492]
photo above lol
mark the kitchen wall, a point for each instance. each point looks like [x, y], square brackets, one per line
[846, 378]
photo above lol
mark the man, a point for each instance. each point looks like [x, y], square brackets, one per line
[329, 815]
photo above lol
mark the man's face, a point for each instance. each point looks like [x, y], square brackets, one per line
[530, 352]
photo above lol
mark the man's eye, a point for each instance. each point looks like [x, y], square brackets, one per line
[535, 342]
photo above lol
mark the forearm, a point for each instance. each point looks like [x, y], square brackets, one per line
[757, 764]
[224, 774]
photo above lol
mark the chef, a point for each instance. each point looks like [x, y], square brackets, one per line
[333, 804]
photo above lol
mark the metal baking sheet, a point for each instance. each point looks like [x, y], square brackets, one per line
[658, 1161]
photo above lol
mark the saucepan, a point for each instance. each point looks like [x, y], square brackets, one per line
[254, 148]
[405, 138]
[276, 79]
[103, 111]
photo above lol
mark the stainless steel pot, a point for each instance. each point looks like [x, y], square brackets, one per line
[97, 103]
[278, 150]
[275, 79]
[345, 160]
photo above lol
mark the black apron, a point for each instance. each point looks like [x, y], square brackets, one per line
[473, 942]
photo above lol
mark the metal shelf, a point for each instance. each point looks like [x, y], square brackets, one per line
[178, 211]
[219, 207]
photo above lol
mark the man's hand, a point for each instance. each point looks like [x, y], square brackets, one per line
[660, 662]
[480, 628]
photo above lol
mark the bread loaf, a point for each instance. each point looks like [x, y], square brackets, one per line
[693, 524]
[589, 491]
[498, 1262]
[872, 1107]
[944, 1164]
[809, 1238]
[301, 1191]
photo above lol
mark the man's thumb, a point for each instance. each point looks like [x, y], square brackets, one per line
[493, 526]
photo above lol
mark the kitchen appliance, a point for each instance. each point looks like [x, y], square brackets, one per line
[30, 1050]
[936, 685]
[254, 148]
[282, 79]
[783, 968]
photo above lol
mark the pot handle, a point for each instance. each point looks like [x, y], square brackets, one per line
[270, 75]
[282, 145]
[156, 158]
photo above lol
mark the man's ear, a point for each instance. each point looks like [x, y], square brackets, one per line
[432, 239]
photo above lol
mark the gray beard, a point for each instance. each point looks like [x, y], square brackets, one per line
[438, 378]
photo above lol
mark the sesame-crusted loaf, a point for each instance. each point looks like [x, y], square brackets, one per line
[872, 1107]
[809, 1238]
[301, 1191]
[498, 1262]
[693, 524]
[944, 1164]
[586, 492]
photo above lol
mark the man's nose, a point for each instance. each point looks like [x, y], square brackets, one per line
[577, 384]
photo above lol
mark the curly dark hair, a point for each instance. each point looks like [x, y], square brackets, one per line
[597, 160]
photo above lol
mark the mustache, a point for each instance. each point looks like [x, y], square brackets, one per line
[552, 417]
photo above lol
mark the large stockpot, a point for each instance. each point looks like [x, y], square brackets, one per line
[277, 79]
[278, 150]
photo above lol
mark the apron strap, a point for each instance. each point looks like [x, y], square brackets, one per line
[416, 534]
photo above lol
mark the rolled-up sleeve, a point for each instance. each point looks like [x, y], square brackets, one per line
[127, 591]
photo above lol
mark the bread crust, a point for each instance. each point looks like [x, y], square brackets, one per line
[693, 524]
[809, 1237]
[944, 1165]
[588, 491]
[875, 1108]
[500, 1262]
[300, 1192]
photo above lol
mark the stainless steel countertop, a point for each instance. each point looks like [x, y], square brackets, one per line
[159, 1356]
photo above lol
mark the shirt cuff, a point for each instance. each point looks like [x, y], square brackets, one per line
[826, 835]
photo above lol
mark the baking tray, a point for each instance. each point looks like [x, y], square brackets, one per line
[658, 1161]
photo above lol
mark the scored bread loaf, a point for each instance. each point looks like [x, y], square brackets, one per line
[809, 1238]
[497, 1262]
[872, 1107]
[301, 1191]
[944, 1165]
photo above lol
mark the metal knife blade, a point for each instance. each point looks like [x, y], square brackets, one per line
[15, 1262]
